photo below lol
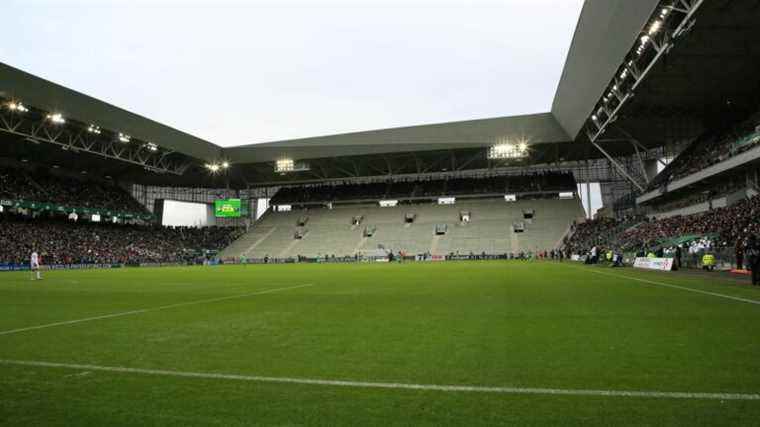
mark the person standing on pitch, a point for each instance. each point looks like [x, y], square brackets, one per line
[752, 253]
[739, 252]
[679, 254]
[34, 265]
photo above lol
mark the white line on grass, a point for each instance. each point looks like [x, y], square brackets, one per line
[147, 310]
[402, 386]
[668, 285]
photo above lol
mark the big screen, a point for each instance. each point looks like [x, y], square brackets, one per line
[227, 208]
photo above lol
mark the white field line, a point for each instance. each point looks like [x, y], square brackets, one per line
[148, 310]
[668, 285]
[383, 385]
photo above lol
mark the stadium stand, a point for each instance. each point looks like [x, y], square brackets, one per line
[724, 226]
[61, 241]
[64, 240]
[358, 226]
[601, 232]
[42, 187]
[333, 231]
[711, 148]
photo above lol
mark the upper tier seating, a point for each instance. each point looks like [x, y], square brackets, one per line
[18, 184]
[539, 182]
[711, 148]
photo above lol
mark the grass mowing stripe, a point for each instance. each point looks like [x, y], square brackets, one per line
[668, 285]
[382, 385]
[147, 310]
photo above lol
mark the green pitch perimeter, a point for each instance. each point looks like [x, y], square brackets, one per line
[535, 343]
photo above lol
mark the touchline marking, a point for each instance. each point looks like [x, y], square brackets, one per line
[147, 310]
[382, 385]
[668, 285]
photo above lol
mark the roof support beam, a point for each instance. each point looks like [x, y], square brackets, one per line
[77, 140]
[661, 43]
[619, 167]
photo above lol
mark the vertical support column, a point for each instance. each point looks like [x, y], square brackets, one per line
[588, 199]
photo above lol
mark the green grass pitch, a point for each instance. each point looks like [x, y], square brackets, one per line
[566, 328]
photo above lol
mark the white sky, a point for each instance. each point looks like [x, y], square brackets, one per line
[242, 72]
[596, 198]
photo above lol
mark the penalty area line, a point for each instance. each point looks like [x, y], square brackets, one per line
[394, 386]
[148, 310]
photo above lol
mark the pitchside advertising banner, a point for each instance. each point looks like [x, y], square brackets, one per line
[25, 267]
[663, 264]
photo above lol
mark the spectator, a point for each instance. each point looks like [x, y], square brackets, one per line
[739, 252]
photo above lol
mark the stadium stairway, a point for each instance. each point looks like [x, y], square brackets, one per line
[245, 245]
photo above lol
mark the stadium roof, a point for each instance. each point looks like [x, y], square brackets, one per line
[44, 94]
[708, 76]
[604, 35]
[535, 128]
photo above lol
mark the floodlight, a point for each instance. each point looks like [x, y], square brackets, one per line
[17, 106]
[56, 118]
[655, 27]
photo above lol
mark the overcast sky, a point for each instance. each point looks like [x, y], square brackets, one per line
[242, 72]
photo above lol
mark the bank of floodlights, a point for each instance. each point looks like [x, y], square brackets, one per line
[56, 118]
[508, 151]
[284, 166]
[656, 36]
[216, 167]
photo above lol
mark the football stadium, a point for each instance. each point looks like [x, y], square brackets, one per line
[454, 273]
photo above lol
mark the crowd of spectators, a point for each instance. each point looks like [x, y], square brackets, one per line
[20, 184]
[727, 225]
[59, 241]
[710, 149]
[600, 232]
[536, 182]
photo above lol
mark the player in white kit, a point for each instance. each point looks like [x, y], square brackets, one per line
[34, 265]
